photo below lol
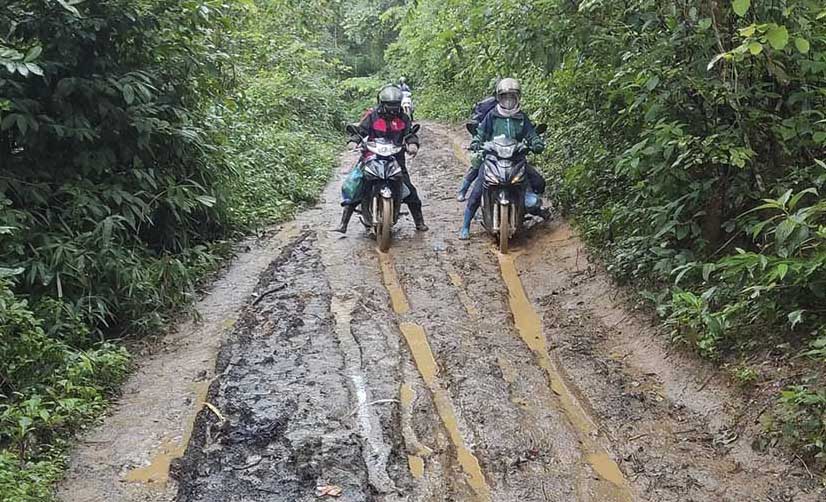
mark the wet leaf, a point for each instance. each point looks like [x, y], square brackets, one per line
[778, 37]
[741, 7]
[795, 318]
[328, 491]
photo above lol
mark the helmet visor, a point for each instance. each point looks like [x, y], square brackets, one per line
[509, 101]
[393, 107]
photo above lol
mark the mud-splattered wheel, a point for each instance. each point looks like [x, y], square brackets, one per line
[504, 228]
[385, 224]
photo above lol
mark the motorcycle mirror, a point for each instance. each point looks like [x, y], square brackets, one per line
[352, 130]
[415, 129]
[541, 128]
[472, 127]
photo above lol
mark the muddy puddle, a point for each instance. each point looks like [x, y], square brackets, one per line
[443, 371]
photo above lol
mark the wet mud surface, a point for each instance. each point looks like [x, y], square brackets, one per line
[442, 371]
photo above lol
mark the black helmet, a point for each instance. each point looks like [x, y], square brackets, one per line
[390, 99]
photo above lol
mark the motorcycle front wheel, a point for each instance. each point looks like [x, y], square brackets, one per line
[504, 228]
[385, 224]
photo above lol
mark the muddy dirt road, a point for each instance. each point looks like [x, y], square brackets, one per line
[443, 371]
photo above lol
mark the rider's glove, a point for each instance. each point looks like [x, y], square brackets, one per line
[537, 146]
[475, 146]
[412, 149]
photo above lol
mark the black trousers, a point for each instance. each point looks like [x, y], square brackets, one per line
[413, 199]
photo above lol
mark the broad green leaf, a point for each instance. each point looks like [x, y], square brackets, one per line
[741, 7]
[35, 69]
[10, 272]
[802, 45]
[795, 318]
[778, 37]
[33, 53]
[128, 94]
[708, 269]
[784, 230]
[796, 199]
[748, 31]
[755, 48]
[784, 199]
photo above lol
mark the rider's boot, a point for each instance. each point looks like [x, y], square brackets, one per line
[418, 217]
[545, 213]
[464, 233]
[345, 219]
[461, 195]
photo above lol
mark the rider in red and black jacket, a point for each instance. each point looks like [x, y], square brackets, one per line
[388, 121]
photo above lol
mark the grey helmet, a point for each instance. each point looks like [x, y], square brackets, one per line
[508, 95]
[390, 99]
[402, 81]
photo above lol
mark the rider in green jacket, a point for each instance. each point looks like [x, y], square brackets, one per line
[508, 120]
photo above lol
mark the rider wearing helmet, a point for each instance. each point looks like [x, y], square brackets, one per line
[388, 121]
[508, 120]
[403, 85]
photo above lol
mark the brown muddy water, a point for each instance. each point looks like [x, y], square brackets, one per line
[439, 371]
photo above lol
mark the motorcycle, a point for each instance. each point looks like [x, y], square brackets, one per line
[407, 103]
[506, 196]
[384, 188]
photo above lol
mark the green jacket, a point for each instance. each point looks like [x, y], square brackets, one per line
[518, 127]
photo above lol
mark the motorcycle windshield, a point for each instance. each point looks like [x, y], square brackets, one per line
[383, 148]
[499, 172]
[505, 148]
[382, 169]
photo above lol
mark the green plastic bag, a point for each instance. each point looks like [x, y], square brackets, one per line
[352, 185]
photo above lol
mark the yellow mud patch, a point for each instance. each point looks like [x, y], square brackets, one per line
[408, 395]
[529, 325]
[426, 364]
[416, 464]
[157, 472]
[391, 281]
[509, 373]
[422, 355]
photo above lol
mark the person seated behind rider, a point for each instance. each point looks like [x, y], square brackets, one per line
[403, 85]
[388, 121]
[477, 115]
[508, 120]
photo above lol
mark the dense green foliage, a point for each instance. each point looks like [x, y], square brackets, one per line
[687, 140]
[136, 138]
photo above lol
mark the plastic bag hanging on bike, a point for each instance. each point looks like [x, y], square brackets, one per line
[532, 201]
[352, 185]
